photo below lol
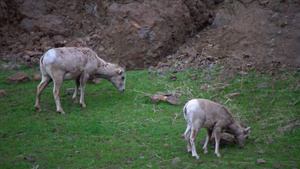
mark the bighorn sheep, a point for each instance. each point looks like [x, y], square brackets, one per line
[68, 63]
[216, 119]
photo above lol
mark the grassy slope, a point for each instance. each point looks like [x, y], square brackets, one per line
[128, 130]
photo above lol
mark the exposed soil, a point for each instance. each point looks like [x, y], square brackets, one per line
[262, 35]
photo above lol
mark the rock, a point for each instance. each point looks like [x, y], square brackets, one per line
[276, 165]
[2, 93]
[11, 66]
[221, 19]
[206, 87]
[290, 127]
[70, 90]
[261, 161]
[37, 77]
[242, 73]
[173, 100]
[166, 97]
[256, 140]
[95, 80]
[28, 25]
[18, 77]
[173, 77]
[175, 160]
[14, 58]
[40, 18]
[193, 76]
[231, 95]
[198, 12]
[262, 85]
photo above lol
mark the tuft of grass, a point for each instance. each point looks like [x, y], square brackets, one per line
[128, 130]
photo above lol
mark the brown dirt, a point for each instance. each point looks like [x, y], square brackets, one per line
[262, 35]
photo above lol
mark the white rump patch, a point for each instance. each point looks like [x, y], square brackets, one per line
[50, 56]
[192, 106]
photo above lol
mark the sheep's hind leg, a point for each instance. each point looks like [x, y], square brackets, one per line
[75, 95]
[83, 80]
[208, 134]
[187, 135]
[196, 127]
[217, 135]
[56, 90]
[45, 81]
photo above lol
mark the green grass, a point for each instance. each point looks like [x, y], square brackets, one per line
[128, 130]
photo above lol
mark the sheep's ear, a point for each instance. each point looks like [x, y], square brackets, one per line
[119, 72]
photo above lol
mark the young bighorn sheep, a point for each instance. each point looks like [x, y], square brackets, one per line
[216, 119]
[67, 63]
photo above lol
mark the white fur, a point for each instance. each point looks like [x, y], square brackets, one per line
[202, 113]
[50, 56]
[67, 63]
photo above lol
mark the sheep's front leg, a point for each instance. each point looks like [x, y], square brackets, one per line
[217, 135]
[187, 135]
[75, 95]
[56, 90]
[83, 80]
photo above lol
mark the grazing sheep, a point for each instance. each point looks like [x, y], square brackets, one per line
[202, 113]
[68, 63]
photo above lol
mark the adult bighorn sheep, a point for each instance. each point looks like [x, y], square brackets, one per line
[216, 119]
[68, 63]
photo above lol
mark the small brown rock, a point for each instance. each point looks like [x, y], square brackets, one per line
[206, 87]
[261, 161]
[70, 90]
[261, 152]
[18, 77]
[276, 165]
[173, 100]
[230, 95]
[37, 77]
[290, 127]
[256, 140]
[166, 97]
[173, 77]
[193, 76]
[242, 73]
[2, 93]
[175, 160]
[95, 80]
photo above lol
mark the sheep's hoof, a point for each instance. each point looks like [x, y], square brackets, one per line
[83, 105]
[205, 152]
[75, 100]
[38, 108]
[218, 154]
[196, 156]
[61, 112]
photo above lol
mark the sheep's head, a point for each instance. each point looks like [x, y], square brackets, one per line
[242, 137]
[118, 80]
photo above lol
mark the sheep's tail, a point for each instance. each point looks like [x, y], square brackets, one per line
[184, 109]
